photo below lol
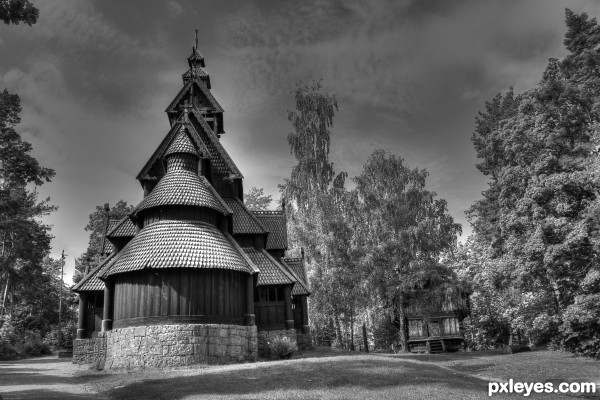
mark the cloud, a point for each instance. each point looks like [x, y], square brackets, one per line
[174, 9]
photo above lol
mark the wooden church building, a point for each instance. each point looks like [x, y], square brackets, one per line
[191, 275]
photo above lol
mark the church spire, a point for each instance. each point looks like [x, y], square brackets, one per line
[196, 59]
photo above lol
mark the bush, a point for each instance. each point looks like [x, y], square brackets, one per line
[25, 344]
[283, 347]
[8, 351]
[68, 333]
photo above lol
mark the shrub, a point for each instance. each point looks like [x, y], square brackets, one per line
[283, 347]
[68, 333]
[25, 344]
[8, 351]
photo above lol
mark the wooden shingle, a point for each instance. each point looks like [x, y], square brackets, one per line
[183, 188]
[244, 222]
[271, 272]
[275, 222]
[91, 282]
[178, 244]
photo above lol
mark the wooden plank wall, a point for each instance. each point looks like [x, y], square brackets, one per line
[180, 292]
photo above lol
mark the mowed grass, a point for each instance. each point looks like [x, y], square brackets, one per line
[358, 377]
[324, 374]
[534, 366]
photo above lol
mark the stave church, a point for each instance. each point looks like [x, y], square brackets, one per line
[191, 275]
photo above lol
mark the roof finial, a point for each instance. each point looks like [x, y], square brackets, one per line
[196, 42]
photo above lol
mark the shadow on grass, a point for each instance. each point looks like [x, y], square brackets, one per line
[446, 357]
[46, 394]
[300, 376]
[37, 360]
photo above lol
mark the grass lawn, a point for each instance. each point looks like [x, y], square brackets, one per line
[327, 374]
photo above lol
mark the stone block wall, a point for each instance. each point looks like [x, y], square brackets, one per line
[90, 351]
[305, 341]
[264, 337]
[168, 345]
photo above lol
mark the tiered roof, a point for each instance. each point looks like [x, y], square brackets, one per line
[181, 144]
[195, 244]
[184, 188]
[179, 244]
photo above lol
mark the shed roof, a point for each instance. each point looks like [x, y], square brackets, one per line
[91, 282]
[271, 272]
[123, 228]
[275, 222]
[178, 244]
[296, 267]
[244, 222]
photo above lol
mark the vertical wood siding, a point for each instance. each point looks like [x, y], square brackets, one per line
[180, 292]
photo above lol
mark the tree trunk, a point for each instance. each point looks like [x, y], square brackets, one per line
[338, 331]
[5, 293]
[331, 332]
[403, 326]
[352, 328]
[365, 341]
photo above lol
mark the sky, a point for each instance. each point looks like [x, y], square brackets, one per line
[409, 76]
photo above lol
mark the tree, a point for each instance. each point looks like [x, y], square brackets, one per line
[96, 226]
[404, 230]
[15, 11]
[256, 200]
[540, 215]
[24, 240]
[317, 219]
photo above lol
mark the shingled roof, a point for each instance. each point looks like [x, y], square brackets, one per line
[164, 145]
[271, 272]
[275, 222]
[196, 57]
[244, 222]
[206, 141]
[222, 163]
[91, 282]
[181, 143]
[179, 244]
[123, 228]
[183, 188]
[296, 268]
[107, 246]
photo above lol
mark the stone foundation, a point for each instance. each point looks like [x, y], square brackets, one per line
[90, 351]
[264, 337]
[167, 346]
[305, 341]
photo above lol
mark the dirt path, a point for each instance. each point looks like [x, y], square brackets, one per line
[44, 378]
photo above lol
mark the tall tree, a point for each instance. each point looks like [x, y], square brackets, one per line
[314, 208]
[257, 200]
[15, 11]
[540, 214]
[24, 240]
[96, 226]
[405, 230]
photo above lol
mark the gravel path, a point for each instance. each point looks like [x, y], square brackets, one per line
[44, 378]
